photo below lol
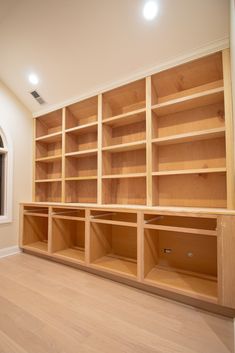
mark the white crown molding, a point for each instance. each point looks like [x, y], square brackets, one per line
[195, 54]
[12, 250]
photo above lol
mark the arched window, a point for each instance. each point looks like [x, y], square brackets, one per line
[5, 179]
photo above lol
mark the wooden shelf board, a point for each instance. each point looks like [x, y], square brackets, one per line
[49, 159]
[72, 218]
[130, 175]
[184, 284]
[82, 129]
[48, 180]
[56, 136]
[82, 178]
[195, 231]
[126, 146]
[71, 254]
[84, 153]
[189, 102]
[39, 246]
[34, 214]
[117, 223]
[191, 136]
[117, 265]
[190, 171]
[126, 118]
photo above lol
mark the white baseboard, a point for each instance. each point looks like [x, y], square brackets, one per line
[12, 250]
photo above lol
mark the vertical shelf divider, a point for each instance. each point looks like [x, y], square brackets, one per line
[34, 159]
[87, 236]
[63, 155]
[99, 152]
[50, 220]
[140, 246]
[149, 141]
[229, 129]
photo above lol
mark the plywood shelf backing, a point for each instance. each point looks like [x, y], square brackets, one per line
[164, 140]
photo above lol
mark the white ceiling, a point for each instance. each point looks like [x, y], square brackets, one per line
[81, 46]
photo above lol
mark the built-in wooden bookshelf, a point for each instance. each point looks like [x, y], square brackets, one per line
[164, 140]
[183, 252]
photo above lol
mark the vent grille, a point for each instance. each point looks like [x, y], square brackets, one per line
[37, 97]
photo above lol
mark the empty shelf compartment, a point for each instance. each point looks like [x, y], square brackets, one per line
[35, 233]
[49, 124]
[82, 113]
[131, 133]
[68, 239]
[80, 142]
[81, 191]
[48, 170]
[81, 166]
[189, 78]
[124, 99]
[130, 191]
[114, 248]
[48, 191]
[190, 190]
[181, 262]
[128, 162]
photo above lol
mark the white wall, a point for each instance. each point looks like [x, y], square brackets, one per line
[17, 123]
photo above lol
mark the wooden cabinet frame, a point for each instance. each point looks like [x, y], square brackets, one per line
[186, 253]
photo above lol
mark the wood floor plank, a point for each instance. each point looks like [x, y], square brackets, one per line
[48, 307]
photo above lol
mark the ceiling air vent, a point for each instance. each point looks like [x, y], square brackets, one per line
[37, 96]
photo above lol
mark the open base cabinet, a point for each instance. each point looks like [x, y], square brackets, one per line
[186, 253]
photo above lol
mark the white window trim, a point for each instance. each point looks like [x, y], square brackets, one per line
[8, 182]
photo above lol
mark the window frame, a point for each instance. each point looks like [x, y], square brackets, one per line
[6, 217]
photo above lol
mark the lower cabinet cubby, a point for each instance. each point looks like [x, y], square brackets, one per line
[182, 262]
[35, 231]
[68, 239]
[114, 248]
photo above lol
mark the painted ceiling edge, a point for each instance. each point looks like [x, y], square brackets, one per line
[195, 54]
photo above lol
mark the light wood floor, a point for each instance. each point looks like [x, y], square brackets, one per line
[47, 307]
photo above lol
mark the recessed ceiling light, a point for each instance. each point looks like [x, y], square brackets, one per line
[150, 10]
[33, 79]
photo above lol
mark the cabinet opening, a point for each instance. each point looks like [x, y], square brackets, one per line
[181, 221]
[131, 191]
[49, 123]
[79, 166]
[114, 248]
[48, 191]
[81, 191]
[183, 262]
[128, 162]
[193, 77]
[124, 99]
[82, 113]
[35, 233]
[68, 239]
